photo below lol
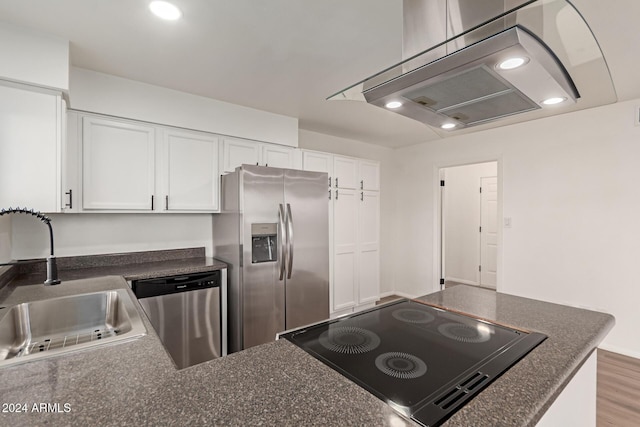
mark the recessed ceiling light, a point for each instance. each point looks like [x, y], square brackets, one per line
[393, 104]
[553, 101]
[165, 10]
[448, 126]
[511, 63]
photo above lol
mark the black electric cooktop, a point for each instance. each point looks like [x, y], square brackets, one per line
[423, 361]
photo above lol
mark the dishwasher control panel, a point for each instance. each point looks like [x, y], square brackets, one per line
[145, 288]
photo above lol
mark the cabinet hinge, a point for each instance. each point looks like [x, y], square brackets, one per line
[480, 189]
[479, 268]
[481, 229]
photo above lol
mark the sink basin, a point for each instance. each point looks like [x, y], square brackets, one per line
[40, 329]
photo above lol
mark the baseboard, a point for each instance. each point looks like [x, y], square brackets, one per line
[463, 281]
[387, 294]
[620, 350]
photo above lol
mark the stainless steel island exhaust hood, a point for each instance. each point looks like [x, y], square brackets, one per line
[490, 63]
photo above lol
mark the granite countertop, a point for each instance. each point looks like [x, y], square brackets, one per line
[521, 396]
[131, 266]
[135, 383]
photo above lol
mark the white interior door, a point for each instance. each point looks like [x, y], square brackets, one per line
[488, 231]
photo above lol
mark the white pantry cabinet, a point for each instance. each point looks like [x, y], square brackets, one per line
[237, 152]
[345, 170]
[368, 247]
[369, 174]
[118, 165]
[31, 135]
[354, 229]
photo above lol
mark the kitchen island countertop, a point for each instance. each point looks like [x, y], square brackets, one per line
[135, 383]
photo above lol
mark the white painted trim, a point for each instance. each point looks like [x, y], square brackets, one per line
[436, 222]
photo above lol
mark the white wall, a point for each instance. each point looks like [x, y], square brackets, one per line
[90, 234]
[5, 237]
[348, 147]
[570, 185]
[32, 57]
[462, 219]
[107, 94]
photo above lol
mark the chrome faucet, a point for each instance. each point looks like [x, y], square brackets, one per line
[52, 268]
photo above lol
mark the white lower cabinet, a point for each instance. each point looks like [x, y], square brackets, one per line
[354, 230]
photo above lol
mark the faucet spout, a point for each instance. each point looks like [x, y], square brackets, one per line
[52, 268]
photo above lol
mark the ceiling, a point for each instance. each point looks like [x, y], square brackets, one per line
[282, 56]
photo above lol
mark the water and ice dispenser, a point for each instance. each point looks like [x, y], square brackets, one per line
[264, 242]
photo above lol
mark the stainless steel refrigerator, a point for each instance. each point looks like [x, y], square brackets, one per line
[273, 233]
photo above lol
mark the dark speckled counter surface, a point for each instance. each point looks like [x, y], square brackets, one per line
[135, 383]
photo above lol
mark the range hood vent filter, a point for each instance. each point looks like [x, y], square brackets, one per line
[472, 97]
[468, 88]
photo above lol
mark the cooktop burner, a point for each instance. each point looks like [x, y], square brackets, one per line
[465, 333]
[349, 340]
[410, 315]
[401, 365]
[426, 362]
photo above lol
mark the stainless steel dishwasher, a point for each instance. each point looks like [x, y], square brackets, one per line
[189, 314]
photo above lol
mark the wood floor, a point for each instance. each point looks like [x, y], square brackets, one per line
[618, 388]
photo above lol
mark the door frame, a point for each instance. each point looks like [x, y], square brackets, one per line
[438, 220]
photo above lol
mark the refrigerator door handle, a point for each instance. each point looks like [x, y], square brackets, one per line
[289, 240]
[281, 245]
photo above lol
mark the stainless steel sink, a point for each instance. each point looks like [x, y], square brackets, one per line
[46, 328]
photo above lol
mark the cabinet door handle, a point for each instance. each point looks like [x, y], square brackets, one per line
[166, 202]
[70, 204]
[152, 202]
[337, 182]
[362, 196]
[266, 165]
[362, 184]
[329, 194]
[329, 181]
[336, 194]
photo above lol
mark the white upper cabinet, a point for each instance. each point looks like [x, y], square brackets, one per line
[237, 152]
[345, 170]
[31, 124]
[118, 165]
[190, 169]
[369, 175]
[277, 156]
